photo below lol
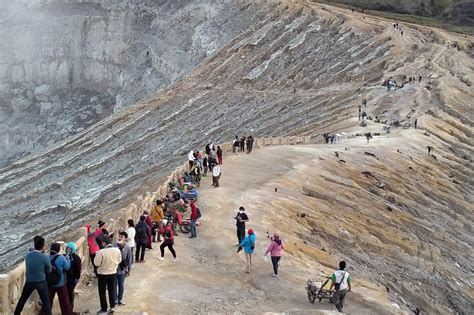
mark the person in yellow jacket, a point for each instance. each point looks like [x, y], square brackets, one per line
[157, 217]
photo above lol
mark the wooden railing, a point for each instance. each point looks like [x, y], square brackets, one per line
[12, 282]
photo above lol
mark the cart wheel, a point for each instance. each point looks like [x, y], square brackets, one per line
[311, 297]
[184, 229]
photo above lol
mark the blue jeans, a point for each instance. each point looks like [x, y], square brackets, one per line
[121, 286]
[193, 228]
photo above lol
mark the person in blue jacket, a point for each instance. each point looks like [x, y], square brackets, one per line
[62, 264]
[248, 244]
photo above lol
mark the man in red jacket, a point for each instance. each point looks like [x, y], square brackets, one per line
[194, 216]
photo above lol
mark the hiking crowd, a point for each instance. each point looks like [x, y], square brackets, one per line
[113, 256]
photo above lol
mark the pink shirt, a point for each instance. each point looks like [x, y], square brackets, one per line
[274, 249]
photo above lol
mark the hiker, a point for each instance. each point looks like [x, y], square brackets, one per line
[193, 218]
[207, 148]
[248, 144]
[248, 244]
[37, 265]
[58, 285]
[216, 175]
[131, 237]
[416, 122]
[235, 144]
[74, 273]
[123, 269]
[205, 164]
[191, 159]
[100, 233]
[364, 114]
[167, 233]
[275, 249]
[148, 222]
[341, 282]
[242, 144]
[92, 242]
[157, 217]
[419, 79]
[240, 219]
[430, 148]
[364, 102]
[219, 155]
[141, 239]
[251, 144]
[107, 260]
[368, 136]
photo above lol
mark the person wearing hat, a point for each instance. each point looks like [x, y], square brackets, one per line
[248, 244]
[275, 249]
[74, 272]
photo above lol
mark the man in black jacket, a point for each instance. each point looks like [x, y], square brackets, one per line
[74, 273]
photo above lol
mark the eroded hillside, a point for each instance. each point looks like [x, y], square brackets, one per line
[302, 69]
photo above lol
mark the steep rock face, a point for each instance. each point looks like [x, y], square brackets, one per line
[89, 59]
[301, 69]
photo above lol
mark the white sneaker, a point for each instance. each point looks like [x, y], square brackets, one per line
[175, 259]
[274, 275]
[161, 258]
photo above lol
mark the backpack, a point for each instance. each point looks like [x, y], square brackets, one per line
[54, 276]
[140, 235]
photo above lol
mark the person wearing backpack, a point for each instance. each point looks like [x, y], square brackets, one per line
[123, 269]
[37, 266]
[141, 239]
[341, 282]
[275, 249]
[57, 279]
[195, 214]
[248, 244]
[167, 232]
[74, 273]
[107, 260]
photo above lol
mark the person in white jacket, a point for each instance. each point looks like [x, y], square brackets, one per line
[131, 235]
[107, 260]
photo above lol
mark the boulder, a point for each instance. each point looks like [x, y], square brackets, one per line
[43, 93]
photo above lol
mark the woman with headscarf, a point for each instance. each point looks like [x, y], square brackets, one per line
[248, 244]
[275, 249]
[74, 272]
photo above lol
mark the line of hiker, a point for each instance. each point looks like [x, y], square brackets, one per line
[245, 144]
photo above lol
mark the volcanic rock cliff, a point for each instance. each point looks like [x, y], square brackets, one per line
[299, 69]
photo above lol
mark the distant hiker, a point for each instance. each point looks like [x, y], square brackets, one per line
[219, 155]
[131, 236]
[148, 222]
[191, 159]
[341, 282]
[416, 123]
[364, 102]
[205, 164]
[294, 90]
[364, 114]
[430, 148]
[368, 136]
[333, 139]
[141, 239]
[360, 109]
[157, 217]
[193, 217]
[123, 269]
[242, 144]
[60, 264]
[235, 144]
[419, 79]
[248, 244]
[240, 219]
[326, 137]
[107, 261]
[409, 80]
[37, 266]
[167, 233]
[208, 148]
[216, 175]
[251, 144]
[74, 273]
[248, 144]
[275, 249]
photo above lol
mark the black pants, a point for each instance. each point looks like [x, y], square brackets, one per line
[215, 181]
[70, 292]
[109, 283]
[338, 299]
[140, 253]
[275, 261]
[28, 288]
[240, 233]
[92, 256]
[170, 247]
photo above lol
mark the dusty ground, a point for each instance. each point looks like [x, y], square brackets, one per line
[209, 276]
